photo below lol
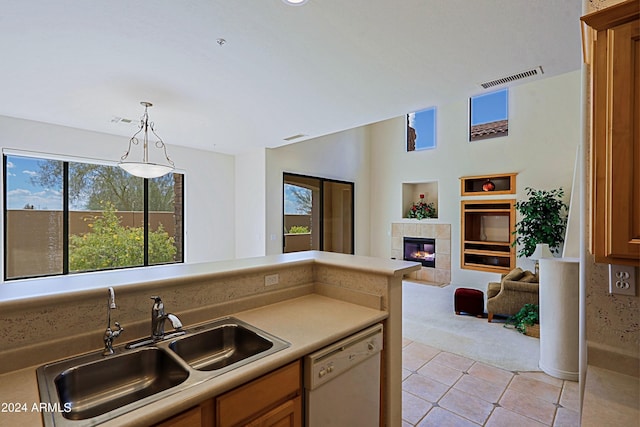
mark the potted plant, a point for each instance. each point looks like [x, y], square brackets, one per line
[544, 220]
[527, 317]
[422, 209]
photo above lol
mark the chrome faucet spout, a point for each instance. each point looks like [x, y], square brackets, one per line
[110, 334]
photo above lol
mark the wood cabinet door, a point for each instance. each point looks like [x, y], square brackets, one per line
[624, 148]
[289, 414]
[198, 416]
[250, 401]
[616, 141]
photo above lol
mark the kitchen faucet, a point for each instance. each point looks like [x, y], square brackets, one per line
[158, 317]
[110, 334]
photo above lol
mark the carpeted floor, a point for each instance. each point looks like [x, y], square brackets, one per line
[428, 318]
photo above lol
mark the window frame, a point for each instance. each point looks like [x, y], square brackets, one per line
[66, 208]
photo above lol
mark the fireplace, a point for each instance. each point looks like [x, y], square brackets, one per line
[422, 250]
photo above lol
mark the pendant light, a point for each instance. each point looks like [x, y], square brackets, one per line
[145, 169]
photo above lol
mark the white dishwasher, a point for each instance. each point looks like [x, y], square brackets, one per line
[342, 382]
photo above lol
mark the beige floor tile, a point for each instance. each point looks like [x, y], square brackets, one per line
[502, 417]
[541, 376]
[415, 355]
[440, 373]
[566, 418]
[406, 342]
[570, 396]
[414, 408]
[406, 424]
[494, 375]
[468, 406]
[424, 387]
[453, 361]
[529, 405]
[405, 373]
[480, 388]
[532, 387]
[439, 417]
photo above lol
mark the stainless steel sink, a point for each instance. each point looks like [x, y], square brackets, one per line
[93, 385]
[92, 388]
[228, 344]
[102, 386]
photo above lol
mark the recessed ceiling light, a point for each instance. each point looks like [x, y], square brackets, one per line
[295, 2]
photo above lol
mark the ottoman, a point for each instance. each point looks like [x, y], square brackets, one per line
[469, 301]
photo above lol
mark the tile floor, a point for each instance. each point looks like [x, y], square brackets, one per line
[443, 389]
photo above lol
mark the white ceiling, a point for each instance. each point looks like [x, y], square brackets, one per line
[314, 69]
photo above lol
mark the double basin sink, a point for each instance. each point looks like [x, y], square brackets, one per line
[95, 388]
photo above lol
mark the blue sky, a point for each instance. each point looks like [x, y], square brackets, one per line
[290, 202]
[490, 107]
[20, 190]
[424, 122]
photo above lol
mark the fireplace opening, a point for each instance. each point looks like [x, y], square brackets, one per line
[422, 250]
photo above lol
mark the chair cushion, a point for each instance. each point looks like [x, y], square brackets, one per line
[515, 274]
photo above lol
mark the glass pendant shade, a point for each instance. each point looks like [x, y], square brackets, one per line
[145, 170]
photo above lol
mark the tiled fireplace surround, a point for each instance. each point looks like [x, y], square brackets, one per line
[441, 232]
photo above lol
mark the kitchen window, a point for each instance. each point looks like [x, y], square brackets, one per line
[66, 216]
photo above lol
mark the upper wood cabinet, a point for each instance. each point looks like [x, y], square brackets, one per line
[611, 42]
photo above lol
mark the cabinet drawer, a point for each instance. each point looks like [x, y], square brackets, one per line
[259, 396]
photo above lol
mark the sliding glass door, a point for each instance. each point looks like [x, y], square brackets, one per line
[318, 214]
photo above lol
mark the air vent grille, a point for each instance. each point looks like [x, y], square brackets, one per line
[291, 138]
[522, 75]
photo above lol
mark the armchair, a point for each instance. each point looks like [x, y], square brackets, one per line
[514, 291]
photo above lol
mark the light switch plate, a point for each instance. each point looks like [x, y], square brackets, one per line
[622, 279]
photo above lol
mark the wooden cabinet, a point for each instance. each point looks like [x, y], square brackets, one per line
[487, 228]
[271, 400]
[201, 415]
[612, 47]
[485, 185]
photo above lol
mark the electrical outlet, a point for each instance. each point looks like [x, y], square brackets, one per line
[622, 279]
[271, 279]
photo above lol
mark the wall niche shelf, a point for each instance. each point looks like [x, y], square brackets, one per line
[485, 185]
[487, 234]
[411, 192]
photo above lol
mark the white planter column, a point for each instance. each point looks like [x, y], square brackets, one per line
[559, 320]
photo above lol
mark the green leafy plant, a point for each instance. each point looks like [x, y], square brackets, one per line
[298, 229]
[528, 315]
[544, 220]
[110, 245]
[422, 209]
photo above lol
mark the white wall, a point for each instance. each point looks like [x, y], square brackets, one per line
[544, 131]
[342, 156]
[250, 208]
[209, 179]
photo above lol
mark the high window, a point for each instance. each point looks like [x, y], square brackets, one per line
[64, 217]
[489, 115]
[421, 129]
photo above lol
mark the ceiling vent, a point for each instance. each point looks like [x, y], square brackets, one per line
[291, 138]
[116, 119]
[522, 75]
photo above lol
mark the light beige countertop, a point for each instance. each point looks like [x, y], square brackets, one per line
[309, 323]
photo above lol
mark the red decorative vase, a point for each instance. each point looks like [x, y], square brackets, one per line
[488, 186]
